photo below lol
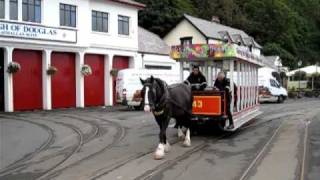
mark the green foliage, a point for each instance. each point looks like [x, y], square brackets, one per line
[160, 16]
[289, 28]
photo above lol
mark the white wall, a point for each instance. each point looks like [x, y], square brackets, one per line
[184, 29]
[108, 44]
[256, 51]
[160, 60]
[85, 37]
[214, 41]
[112, 38]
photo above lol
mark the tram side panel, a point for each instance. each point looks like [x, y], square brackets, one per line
[208, 105]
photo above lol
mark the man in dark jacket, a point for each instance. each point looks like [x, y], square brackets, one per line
[223, 84]
[197, 80]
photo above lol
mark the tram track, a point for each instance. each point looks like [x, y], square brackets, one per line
[105, 120]
[120, 134]
[16, 166]
[73, 151]
[20, 164]
[201, 147]
[262, 152]
[29, 156]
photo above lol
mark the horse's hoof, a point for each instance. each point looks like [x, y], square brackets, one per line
[158, 156]
[167, 147]
[182, 137]
[187, 143]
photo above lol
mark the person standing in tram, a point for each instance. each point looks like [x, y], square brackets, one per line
[196, 79]
[223, 84]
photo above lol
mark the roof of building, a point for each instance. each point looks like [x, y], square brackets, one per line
[130, 3]
[308, 69]
[151, 43]
[269, 61]
[216, 30]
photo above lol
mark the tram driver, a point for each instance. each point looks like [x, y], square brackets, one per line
[223, 84]
[196, 79]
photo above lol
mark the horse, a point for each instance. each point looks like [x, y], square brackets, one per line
[166, 102]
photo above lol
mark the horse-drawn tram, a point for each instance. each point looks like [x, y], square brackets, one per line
[239, 65]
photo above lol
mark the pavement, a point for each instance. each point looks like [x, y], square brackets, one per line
[117, 143]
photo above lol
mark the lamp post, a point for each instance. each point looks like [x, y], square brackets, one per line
[299, 65]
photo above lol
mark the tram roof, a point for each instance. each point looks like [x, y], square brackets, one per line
[214, 52]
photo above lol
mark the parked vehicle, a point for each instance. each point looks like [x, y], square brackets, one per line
[270, 90]
[128, 85]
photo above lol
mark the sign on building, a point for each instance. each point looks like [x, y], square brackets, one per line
[26, 31]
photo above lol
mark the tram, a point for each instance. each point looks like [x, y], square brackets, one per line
[240, 66]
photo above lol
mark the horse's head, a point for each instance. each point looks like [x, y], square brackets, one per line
[151, 92]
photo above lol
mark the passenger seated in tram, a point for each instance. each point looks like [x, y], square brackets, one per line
[196, 79]
[223, 84]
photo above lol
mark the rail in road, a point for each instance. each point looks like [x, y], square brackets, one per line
[65, 155]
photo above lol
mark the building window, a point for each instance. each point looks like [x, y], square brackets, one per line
[14, 9]
[2, 9]
[68, 15]
[31, 10]
[186, 41]
[123, 25]
[99, 21]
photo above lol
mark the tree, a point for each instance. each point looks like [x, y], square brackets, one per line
[289, 28]
[160, 16]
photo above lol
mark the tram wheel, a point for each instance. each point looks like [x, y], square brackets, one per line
[222, 124]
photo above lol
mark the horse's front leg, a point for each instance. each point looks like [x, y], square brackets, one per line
[164, 145]
[187, 140]
[181, 135]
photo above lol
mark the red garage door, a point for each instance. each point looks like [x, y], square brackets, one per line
[94, 84]
[27, 83]
[64, 81]
[119, 62]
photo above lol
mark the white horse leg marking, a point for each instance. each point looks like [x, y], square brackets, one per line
[187, 140]
[167, 147]
[181, 135]
[146, 101]
[159, 154]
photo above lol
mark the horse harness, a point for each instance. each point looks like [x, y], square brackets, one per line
[160, 107]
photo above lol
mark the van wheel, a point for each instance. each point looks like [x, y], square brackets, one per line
[280, 99]
[138, 108]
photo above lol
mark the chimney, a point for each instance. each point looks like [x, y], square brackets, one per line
[215, 19]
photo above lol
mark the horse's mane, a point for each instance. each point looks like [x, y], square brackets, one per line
[160, 83]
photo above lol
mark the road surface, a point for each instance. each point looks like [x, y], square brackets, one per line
[115, 143]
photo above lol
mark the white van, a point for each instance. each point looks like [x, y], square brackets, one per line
[128, 85]
[270, 89]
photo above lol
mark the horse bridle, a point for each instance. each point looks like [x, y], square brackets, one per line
[160, 105]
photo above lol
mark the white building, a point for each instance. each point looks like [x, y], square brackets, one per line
[65, 34]
[193, 30]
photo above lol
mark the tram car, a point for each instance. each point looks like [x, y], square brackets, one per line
[241, 67]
